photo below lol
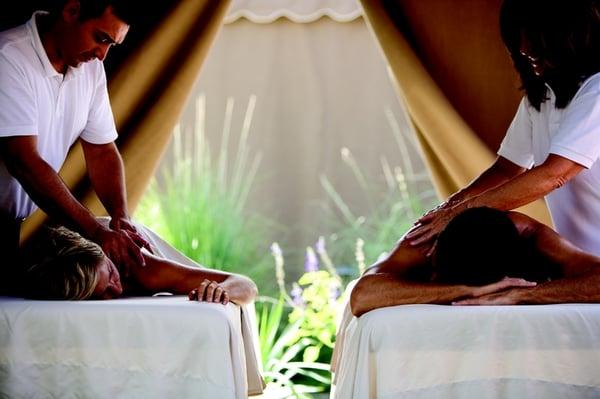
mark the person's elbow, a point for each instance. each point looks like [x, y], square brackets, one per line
[359, 297]
[247, 291]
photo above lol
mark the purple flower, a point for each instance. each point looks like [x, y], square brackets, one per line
[296, 294]
[311, 263]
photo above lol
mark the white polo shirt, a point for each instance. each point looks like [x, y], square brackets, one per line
[37, 100]
[573, 133]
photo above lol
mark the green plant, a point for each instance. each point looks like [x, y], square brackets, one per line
[281, 346]
[390, 213]
[297, 331]
[199, 205]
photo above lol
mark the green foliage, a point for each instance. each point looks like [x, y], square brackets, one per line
[297, 352]
[286, 370]
[390, 213]
[199, 205]
[297, 332]
[320, 303]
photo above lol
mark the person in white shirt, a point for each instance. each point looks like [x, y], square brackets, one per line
[552, 147]
[52, 93]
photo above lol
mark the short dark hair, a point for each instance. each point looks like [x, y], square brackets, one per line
[125, 10]
[482, 245]
[565, 33]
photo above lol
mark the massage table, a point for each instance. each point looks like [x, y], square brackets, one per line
[152, 347]
[141, 347]
[445, 352]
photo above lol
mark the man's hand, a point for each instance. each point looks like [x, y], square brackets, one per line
[121, 223]
[124, 224]
[209, 291]
[502, 292]
[120, 248]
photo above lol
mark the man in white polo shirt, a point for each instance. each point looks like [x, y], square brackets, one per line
[53, 93]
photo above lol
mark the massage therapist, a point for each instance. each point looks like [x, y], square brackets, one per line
[552, 147]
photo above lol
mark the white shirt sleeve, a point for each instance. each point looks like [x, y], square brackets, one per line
[100, 127]
[517, 145]
[578, 136]
[18, 106]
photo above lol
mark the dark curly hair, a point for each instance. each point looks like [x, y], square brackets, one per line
[564, 34]
[126, 10]
[482, 245]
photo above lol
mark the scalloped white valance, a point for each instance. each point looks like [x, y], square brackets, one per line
[300, 11]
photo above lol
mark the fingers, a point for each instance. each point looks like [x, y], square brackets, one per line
[509, 282]
[468, 302]
[421, 236]
[417, 231]
[505, 283]
[120, 223]
[428, 217]
[139, 240]
[135, 254]
[225, 300]
[209, 291]
[127, 226]
[432, 249]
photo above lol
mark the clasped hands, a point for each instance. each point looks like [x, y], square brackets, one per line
[503, 292]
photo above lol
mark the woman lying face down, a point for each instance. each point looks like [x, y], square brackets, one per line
[64, 265]
[483, 257]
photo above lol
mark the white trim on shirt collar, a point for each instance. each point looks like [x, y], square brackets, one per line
[41, 51]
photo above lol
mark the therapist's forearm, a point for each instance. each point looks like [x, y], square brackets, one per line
[501, 171]
[528, 186]
[107, 175]
[50, 193]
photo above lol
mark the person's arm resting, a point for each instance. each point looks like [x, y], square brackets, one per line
[164, 275]
[581, 271]
[389, 283]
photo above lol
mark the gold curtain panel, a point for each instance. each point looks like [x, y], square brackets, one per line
[450, 68]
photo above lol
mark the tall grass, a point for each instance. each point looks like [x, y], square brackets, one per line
[199, 204]
[390, 213]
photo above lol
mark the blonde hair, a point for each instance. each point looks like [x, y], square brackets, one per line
[62, 265]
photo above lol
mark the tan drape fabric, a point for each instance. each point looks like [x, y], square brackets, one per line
[147, 94]
[450, 112]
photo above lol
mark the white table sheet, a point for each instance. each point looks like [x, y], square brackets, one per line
[151, 347]
[432, 351]
[148, 347]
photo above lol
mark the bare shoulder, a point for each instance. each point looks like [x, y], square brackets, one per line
[403, 258]
[557, 249]
[526, 225]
